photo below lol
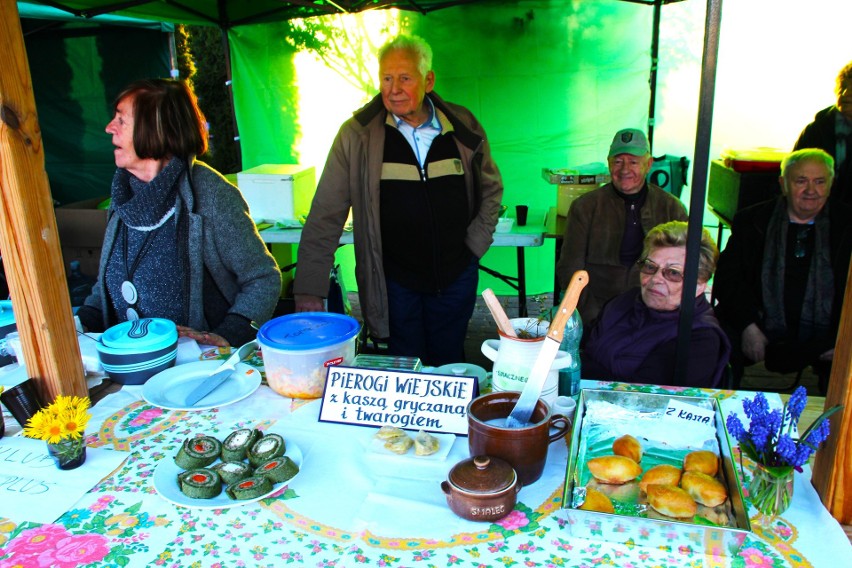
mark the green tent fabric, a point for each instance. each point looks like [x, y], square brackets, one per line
[77, 69]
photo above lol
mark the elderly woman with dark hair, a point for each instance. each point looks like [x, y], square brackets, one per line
[179, 243]
[635, 337]
[781, 278]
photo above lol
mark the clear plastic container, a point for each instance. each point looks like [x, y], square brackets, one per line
[299, 348]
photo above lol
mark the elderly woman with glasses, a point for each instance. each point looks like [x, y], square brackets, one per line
[635, 337]
[781, 278]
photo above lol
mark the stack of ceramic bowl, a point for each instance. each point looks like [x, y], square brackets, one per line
[134, 351]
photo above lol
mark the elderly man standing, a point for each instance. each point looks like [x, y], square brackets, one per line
[605, 228]
[831, 131]
[425, 195]
[781, 278]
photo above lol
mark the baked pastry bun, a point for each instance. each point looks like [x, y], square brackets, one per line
[671, 501]
[629, 447]
[614, 469]
[597, 501]
[663, 474]
[701, 460]
[703, 488]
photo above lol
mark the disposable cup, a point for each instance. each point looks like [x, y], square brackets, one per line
[22, 401]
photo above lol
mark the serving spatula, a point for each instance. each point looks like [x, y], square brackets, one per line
[222, 372]
[520, 415]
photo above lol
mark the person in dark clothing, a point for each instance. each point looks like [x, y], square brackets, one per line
[781, 278]
[635, 337]
[180, 243]
[831, 131]
[605, 227]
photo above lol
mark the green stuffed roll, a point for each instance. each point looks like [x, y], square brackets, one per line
[200, 483]
[237, 444]
[232, 471]
[268, 447]
[277, 470]
[249, 488]
[198, 452]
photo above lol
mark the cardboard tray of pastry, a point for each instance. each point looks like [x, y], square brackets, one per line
[655, 469]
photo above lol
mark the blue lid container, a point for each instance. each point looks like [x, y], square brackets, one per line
[308, 330]
[7, 326]
[134, 351]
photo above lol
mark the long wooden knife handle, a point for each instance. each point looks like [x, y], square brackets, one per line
[497, 312]
[568, 305]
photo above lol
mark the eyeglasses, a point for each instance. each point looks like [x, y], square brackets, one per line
[649, 267]
[800, 248]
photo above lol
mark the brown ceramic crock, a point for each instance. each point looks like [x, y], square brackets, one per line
[524, 448]
[481, 488]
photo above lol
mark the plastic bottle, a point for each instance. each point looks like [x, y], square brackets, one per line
[569, 377]
[79, 285]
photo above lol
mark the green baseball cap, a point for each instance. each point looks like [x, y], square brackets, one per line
[629, 141]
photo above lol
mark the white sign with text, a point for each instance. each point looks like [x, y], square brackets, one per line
[688, 419]
[33, 489]
[411, 401]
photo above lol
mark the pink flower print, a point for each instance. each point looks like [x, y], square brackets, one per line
[37, 539]
[754, 557]
[75, 550]
[783, 531]
[513, 521]
[146, 416]
[102, 503]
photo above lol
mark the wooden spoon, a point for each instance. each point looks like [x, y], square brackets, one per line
[497, 312]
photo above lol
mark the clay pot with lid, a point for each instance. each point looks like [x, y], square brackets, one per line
[482, 488]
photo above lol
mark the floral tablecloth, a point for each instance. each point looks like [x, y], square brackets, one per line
[352, 507]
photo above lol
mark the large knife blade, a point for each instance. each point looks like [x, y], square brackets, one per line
[220, 375]
[520, 415]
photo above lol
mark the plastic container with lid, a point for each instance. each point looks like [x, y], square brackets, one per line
[298, 349]
[134, 351]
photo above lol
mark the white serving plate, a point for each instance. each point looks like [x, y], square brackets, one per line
[168, 389]
[166, 484]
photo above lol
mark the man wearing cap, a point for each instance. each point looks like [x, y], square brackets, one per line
[605, 227]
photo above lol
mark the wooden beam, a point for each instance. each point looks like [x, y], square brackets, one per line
[28, 238]
[832, 471]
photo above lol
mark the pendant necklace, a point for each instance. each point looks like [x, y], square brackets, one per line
[128, 290]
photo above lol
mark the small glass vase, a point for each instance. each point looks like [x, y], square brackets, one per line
[770, 491]
[68, 454]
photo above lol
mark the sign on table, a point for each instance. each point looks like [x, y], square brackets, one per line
[33, 489]
[412, 401]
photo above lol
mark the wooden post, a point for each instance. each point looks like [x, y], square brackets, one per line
[832, 471]
[29, 241]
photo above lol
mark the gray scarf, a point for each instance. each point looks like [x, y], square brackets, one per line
[819, 290]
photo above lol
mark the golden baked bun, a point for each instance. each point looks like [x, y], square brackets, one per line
[703, 461]
[663, 474]
[629, 447]
[614, 469]
[597, 501]
[703, 488]
[626, 492]
[671, 501]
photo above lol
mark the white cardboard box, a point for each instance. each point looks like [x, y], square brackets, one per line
[278, 192]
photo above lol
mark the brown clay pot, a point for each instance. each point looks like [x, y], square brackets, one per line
[481, 488]
[525, 449]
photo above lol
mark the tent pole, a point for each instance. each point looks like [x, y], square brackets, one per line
[698, 191]
[655, 59]
[28, 235]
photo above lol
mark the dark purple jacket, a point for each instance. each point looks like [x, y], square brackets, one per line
[633, 343]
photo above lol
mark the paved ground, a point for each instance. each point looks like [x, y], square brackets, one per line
[482, 327]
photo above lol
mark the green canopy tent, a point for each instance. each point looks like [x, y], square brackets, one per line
[229, 15]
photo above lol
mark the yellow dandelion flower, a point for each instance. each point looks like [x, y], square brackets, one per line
[74, 422]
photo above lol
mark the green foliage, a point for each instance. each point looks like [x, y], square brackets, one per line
[202, 62]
